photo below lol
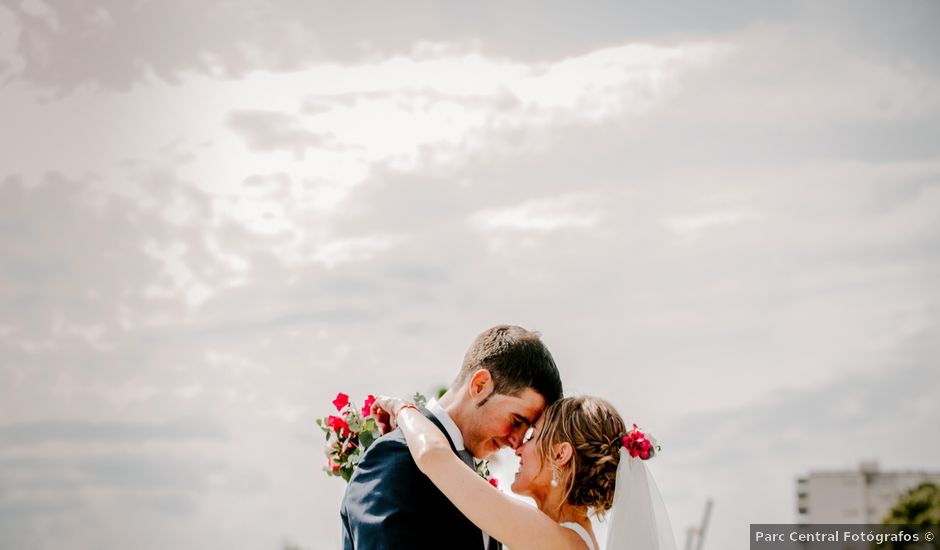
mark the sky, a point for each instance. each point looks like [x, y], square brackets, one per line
[723, 217]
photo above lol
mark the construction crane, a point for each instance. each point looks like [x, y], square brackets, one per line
[696, 535]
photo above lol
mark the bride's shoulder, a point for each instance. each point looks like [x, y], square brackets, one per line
[581, 532]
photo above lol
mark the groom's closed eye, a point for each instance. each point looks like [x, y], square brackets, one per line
[520, 421]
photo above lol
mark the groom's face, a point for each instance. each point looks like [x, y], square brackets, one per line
[502, 421]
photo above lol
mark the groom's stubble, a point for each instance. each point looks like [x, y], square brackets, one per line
[489, 421]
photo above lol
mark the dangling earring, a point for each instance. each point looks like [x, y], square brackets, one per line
[554, 482]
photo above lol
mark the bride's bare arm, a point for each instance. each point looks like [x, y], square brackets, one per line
[512, 522]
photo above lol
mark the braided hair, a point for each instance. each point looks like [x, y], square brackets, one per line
[592, 427]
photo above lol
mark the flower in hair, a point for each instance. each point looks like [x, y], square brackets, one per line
[639, 444]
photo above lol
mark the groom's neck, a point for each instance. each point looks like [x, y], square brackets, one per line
[454, 406]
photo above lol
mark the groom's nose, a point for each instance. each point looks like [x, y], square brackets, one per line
[515, 438]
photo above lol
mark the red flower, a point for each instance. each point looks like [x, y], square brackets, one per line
[637, 444]
[341, 401]
[494, 482]
[338, 425]
[367, 405]
[334, 467]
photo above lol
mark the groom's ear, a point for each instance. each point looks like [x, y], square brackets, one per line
[481, 385]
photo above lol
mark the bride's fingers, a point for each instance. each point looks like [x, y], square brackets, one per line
[382, 409]
[381, 417]
[383, 402]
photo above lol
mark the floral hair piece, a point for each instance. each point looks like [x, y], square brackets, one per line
[638, 444]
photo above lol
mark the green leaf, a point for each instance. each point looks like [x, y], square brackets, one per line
[366, 439]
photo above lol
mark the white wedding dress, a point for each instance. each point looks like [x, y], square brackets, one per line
[582, 532]
[638, 519]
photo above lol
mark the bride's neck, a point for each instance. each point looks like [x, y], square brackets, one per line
[561, 512]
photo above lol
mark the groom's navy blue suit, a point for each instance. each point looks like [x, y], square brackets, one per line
[390, 505]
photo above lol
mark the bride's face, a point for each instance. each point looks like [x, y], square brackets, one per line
[531, 478]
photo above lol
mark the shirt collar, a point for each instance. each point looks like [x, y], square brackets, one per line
[452, 430]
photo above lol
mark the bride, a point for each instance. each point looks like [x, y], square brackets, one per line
[573, 464]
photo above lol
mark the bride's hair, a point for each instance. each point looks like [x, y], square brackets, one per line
[593, 428]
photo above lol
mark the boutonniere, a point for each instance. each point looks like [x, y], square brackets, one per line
[483, 469]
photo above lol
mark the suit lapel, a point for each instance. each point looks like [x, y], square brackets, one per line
[464, 454]
[467, 459]
[430, 416]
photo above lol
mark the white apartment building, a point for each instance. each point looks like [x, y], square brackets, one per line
[854, 496]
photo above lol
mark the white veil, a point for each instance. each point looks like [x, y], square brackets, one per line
[638, 520]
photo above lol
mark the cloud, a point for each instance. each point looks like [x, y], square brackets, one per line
[360, 249]
[542, 215]
[33, 433]
[269, 131]
[226, 39]
[880, 413]
[706, 227]
[692, 225]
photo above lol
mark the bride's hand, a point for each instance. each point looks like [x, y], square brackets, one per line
[385, 410]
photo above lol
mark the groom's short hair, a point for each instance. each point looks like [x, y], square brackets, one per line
[516, 359]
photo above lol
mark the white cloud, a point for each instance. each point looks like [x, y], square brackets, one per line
[540, 215]
[10, 61]
[41, 10]
[337, 252]
[691, 226]
[356, 229]
[776, 85]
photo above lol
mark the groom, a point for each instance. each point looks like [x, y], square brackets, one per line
[507, 378]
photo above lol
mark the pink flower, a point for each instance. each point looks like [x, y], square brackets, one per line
[368, 405]
[638, 444]
[341, 401]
